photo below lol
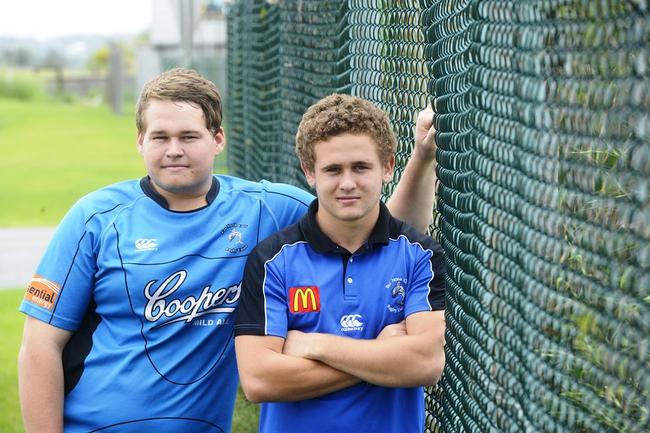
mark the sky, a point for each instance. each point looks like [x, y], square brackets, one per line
[44, 19]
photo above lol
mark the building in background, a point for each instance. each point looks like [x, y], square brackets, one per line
[188, 33]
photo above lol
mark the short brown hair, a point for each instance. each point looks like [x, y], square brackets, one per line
[338, 114]
[185, 85]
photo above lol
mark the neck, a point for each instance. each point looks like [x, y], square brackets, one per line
[183, 202]
[350, 235]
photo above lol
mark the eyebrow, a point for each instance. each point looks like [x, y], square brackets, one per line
[189, 131]
[360, 162]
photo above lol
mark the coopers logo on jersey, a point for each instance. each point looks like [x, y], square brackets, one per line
[42, 292]
[304, 299]
[160, 304]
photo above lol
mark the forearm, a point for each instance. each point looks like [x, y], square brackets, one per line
[40, 377]
[268, 375]
[413, 197]
[395, 362]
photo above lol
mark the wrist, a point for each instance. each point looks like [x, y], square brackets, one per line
[313, 350]
[425, 156]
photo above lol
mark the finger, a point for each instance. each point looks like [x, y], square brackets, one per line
[425, 118]
[434, 104]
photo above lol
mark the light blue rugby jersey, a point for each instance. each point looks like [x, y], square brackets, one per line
[150, 295]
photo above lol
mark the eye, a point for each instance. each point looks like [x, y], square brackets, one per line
[189, 137]
[331, 170]
[361, 168]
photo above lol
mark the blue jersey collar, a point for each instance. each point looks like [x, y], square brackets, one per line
[323, 244]
[150, 191]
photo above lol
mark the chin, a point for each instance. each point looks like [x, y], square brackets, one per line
[349, 217]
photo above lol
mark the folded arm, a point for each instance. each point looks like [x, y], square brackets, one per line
[267, 374]
[414, 359]
[413, 197]
[40, 376]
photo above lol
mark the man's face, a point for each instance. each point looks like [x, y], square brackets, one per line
[178, 149]
[348, 177]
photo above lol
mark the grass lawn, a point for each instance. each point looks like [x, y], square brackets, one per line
[11, 323]
[54, 153]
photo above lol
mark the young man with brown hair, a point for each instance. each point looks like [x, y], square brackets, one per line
[131, 311]
[341, 320]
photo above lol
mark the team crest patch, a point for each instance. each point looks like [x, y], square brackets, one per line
[42, 292]
[304, 299]
[235, 235]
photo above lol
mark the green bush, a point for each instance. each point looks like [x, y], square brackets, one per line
[20, 85]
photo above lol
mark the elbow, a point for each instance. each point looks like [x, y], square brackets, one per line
[433, 370]
[256, 390]
[425, 223]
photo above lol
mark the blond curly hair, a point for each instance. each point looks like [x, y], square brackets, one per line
[338, 114]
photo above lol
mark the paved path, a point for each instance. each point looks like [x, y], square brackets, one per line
[20, 251]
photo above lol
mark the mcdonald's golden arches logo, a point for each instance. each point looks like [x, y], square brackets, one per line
[304, 299]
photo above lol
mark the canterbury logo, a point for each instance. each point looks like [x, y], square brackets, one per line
[146, 244]
[351, 322]
[304, 299]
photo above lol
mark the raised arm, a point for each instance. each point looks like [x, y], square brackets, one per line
[267, 374]
[414, 359]
[413, 197]
[40, 376]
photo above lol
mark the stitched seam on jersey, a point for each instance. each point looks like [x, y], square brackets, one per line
[266, 319]
[74, 257]
[155, 419]
[266, 191]
[427, 251]
[259, 222]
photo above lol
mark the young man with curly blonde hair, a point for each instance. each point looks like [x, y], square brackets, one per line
[341, 320]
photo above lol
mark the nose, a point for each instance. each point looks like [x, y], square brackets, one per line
[348, 181]
[174, 148]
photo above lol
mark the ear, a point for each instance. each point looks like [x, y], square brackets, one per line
[388, 169]
[309, 174]
[139, 142]
[219, 141]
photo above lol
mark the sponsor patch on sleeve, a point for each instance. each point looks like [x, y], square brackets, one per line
[304, 299]
[42, 292]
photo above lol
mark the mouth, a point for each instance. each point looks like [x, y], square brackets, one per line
[347, 199]
[174, 167]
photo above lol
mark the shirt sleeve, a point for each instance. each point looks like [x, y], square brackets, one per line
[60, 290]
[427, 288]
[262, 309]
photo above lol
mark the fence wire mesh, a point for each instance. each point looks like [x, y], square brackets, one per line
[543, 113]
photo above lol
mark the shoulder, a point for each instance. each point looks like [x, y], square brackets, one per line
[272, 246]
[107, 200]
[401, 231]
[265, 190]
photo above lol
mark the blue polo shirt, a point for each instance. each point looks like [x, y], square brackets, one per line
[299, 279]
